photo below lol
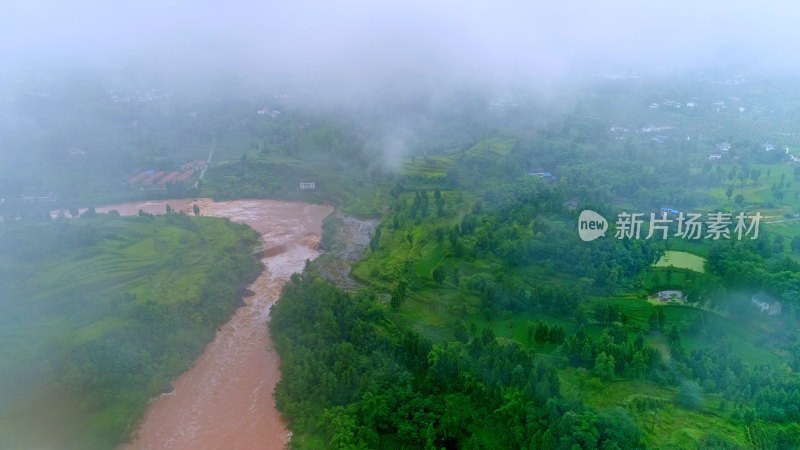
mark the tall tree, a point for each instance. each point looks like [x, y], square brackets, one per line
[542, 332]
[374, 242]
[604, 366]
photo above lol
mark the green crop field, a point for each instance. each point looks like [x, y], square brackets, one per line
[100, 315]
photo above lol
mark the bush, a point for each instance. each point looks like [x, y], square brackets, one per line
[690, 396]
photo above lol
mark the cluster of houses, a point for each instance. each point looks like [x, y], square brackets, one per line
[267, 112]
[673, 104]
[690, 105]
[546, 176]
[160, 178]
[724, 147]
[719, 106]
[654, 129]
[138, 97]
[306, 186]
[732, 81]
[659, 139]
[764, 303]
[620, 132]
[669, 296]
[791, 156]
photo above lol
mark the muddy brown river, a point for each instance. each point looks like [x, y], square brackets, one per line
[224, 401]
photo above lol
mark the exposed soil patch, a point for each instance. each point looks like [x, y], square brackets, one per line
[350, 242]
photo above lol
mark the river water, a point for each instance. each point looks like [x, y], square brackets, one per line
[224, 401]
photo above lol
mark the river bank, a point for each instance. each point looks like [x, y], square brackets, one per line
[225, 399]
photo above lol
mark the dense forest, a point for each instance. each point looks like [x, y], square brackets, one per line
[478, 256]
[356, 380]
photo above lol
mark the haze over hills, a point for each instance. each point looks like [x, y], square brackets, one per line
[361, 45]
[455, 305]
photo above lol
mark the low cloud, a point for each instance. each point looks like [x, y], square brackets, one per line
[370, 45]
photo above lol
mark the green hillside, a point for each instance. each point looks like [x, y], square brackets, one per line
[101, 313]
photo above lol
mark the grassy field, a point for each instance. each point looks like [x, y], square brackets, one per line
[100, 314]
[699, 248]
[682, 260]
[668, 427]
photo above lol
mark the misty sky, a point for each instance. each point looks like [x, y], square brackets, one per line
[363, 40]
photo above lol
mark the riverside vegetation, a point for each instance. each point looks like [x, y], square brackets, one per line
[102, 312]
[483, 321]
